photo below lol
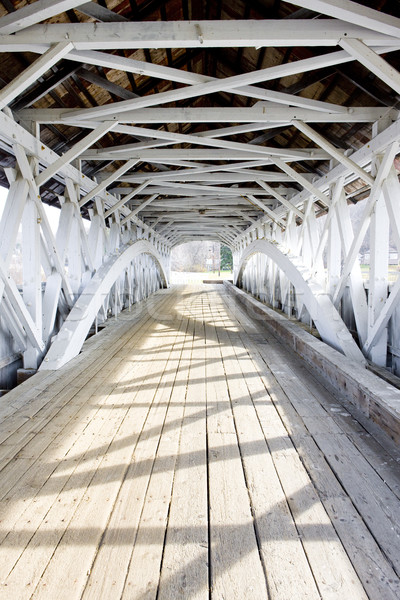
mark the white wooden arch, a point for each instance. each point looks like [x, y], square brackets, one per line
[75, 328]
[327, 320]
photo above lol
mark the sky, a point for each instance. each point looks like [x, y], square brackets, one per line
[53, 213]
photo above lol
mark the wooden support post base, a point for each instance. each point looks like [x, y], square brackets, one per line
[24, 374]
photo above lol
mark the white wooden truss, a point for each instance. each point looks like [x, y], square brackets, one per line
[203, 185]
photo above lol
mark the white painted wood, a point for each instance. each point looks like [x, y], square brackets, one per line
[34, 13]
[354, 13]
[74, 257]
[192, 173]
[227, 84]
[381, 175]
[134, 66]
[270, 213]
[64, 228]
[52, 251]
[108, 181]
[357, 289]
[11, 217]
[302, 180]
[50, 303]
[280, 198]
[73, 193]
[390, 191]
[74, 152]
[373, 62]
[32, 280]
[32, 73]
[140, 188]
[74, 330]
[334, 152]
[138, 209]
[318, 303]
[199, 34]
[378, 277]
[19, 308]
[217, 143]
[261, 112]
[13, 325]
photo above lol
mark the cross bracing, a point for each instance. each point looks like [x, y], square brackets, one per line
[168, 122]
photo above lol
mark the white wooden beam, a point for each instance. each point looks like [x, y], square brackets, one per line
[197, 34]
[98, 12]
[327, 320]
[74, 152]
[108, 181]
[301, 180]
[268, 211]
[11, 218]
[73, 192]
[11, 133]
[375, 63]
[212, 178]
[14, 326]
[362, 157]
[334, 152]
[34, 13]
[194, 172]
[235, 129]
[125, 199]
[383, 319]
[390, 190]
[167, 73]
[293, 153]
[357, 289]
[383, 172]
[161, 155]
[20, 309]
[74, 330]
[280, 198]
[378, 277]
[210, 87]
[261, 112]
[50, 302]
[352, 12]
[32, 285]
[52, 250]
[33, 72]
[138, 209]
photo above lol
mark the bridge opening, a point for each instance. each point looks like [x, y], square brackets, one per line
[201, 261]
[200, 445]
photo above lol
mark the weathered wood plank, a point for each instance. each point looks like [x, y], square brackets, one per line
[192, 457]
[286, 565]
[236, 570]
[184, 572]
[111, 565]
[373, 568]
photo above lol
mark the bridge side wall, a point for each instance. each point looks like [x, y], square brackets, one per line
[377, 400]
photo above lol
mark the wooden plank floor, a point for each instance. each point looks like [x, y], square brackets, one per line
[187, 454]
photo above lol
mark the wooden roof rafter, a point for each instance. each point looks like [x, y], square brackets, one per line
[123, 80]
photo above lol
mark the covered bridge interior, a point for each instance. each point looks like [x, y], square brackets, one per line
[208, 442]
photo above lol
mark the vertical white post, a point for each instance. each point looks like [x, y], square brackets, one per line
[96, 239]
[334, 253]
[75, 257]
[32, 286]
[357, 289]
[378, 275]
